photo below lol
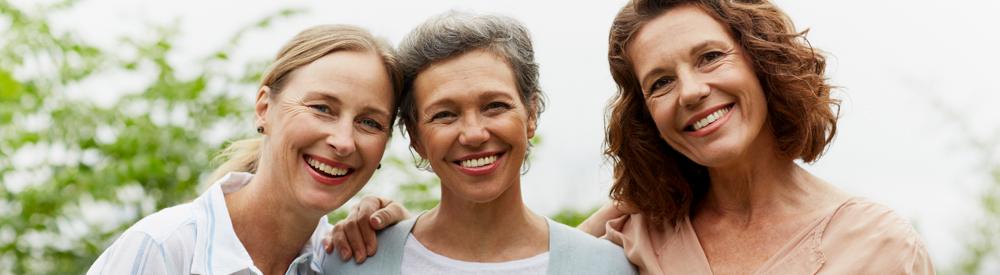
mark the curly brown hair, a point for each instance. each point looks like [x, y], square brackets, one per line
[664, 184]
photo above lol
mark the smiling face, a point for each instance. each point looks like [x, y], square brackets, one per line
[326, 129]
[471, 125]
[699, 86]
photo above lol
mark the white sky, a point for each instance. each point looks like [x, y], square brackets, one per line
[893, 58]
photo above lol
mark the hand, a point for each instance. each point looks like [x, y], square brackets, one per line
[595, 224]
[355, 235]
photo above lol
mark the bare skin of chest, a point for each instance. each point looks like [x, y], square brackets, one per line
[734, 246]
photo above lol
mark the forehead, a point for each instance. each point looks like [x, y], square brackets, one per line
[348, 75]
[674, 33]
[466, 74]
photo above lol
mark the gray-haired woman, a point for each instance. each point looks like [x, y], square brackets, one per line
[470, 104]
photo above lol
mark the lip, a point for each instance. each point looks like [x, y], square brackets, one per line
[482, 170]
[711, 128]
[332, 181]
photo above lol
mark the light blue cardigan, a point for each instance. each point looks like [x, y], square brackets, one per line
[570, 252]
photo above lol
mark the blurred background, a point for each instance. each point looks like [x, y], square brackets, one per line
[111, 110]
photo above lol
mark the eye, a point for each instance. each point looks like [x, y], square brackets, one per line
[321, 108]
[371, 123]
[660, 83]
[496, 107]
[710, 56]
[442, 115]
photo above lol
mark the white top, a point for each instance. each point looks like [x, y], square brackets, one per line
[417, 259]
[197, 238]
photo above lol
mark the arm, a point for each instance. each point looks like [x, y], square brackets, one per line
[131, 248]
[355, 235]
[595, 224]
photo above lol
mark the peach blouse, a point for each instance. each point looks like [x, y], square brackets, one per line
[859, 237]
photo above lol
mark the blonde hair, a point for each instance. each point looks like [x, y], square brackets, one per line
[306, 47]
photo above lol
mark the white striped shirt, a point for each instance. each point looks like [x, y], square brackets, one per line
[197, 238]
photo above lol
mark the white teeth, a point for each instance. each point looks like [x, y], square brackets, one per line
[326, 168]
[710, 118]
[478, 162]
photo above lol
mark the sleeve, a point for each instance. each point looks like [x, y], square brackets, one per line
[629, 233]
[921, 260]
[869, 238]
[133, 253]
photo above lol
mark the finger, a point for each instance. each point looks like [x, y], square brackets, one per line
[392, 213]
[339, 242]
[368, 205]
[328, 241]
[354, 239]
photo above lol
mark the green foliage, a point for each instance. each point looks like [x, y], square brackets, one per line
[982, 241]
[572, 217]
[76, 174]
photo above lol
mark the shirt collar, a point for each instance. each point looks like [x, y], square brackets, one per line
[217, 249]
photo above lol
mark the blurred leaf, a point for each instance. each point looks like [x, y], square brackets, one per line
[573, 218]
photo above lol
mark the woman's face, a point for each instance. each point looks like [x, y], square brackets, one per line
[471, 125]
[699, 86]
[327, 129]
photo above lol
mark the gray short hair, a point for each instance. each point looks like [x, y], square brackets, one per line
[454, 33]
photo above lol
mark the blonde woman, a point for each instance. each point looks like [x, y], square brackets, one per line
[324, 110]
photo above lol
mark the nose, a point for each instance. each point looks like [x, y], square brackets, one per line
[693, 89]
[341, 137]
[473, 133]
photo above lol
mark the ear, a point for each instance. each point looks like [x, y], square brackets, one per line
[415, 143]
[261, 105]
[532, 122]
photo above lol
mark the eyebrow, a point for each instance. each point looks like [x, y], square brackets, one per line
[328, 97]
[370, 109]
[709, 43]
[485, 95]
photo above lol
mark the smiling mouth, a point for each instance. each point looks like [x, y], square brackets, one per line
[479, 162]
[327, 170]
[708, 120]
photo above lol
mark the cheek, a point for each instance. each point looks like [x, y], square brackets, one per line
[437, 141]
[662, 113]
[374, 147]
[512, 130]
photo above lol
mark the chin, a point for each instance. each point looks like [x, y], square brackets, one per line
[479, 194]
[323, 200]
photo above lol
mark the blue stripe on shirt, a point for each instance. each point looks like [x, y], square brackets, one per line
[138, 257]
[211, 232]
[111, 252]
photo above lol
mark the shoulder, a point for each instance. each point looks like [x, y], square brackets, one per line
[868, 235]
[141, 249]
[861, 217]
[161, 225]
[387, 260]
[572, 251]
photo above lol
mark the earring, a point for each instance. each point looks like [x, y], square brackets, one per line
[379, 166]
[260, 129]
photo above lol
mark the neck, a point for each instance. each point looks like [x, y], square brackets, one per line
[761, 184]
[272, 229]
[500, 230]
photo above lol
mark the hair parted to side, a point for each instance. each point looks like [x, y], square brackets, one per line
[453, 33]
[664, 184]
[308, 46]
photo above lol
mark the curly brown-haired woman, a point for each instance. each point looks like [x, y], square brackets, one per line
[715, 101]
